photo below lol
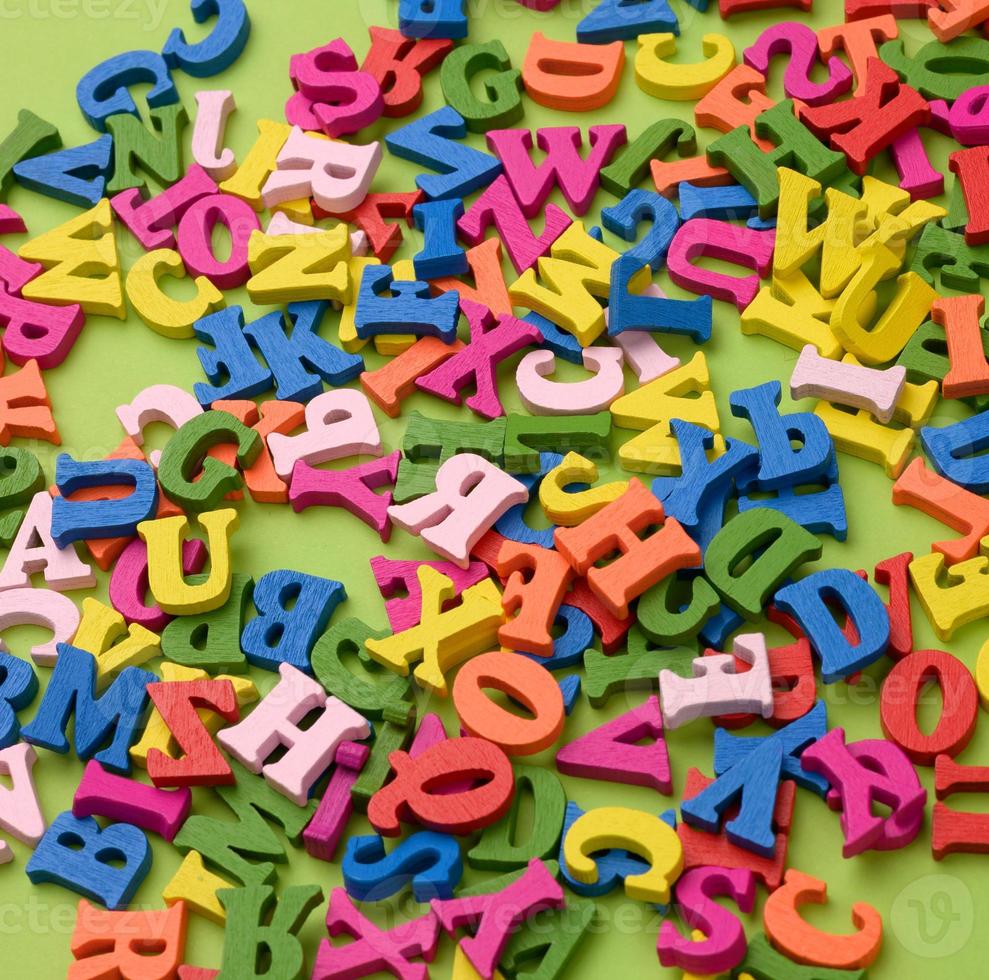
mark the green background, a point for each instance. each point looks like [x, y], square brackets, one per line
[45, 47]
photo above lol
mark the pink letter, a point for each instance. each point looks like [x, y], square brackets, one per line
[470, 495]
[151, 222]
[861, 773]
[724, 945]
[275, 722]
[63, 569]
[544, 397]
[702, 237]
[102, 794]
[716, 688]
[374, 949]
[340, 423]
[495, 915]
[20, 813]
[475, 366]
[337, 175]
[207, 134]
[40, 607]
[323, 832]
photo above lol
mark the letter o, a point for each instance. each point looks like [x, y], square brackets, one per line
[901, 692]
[524, 681]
